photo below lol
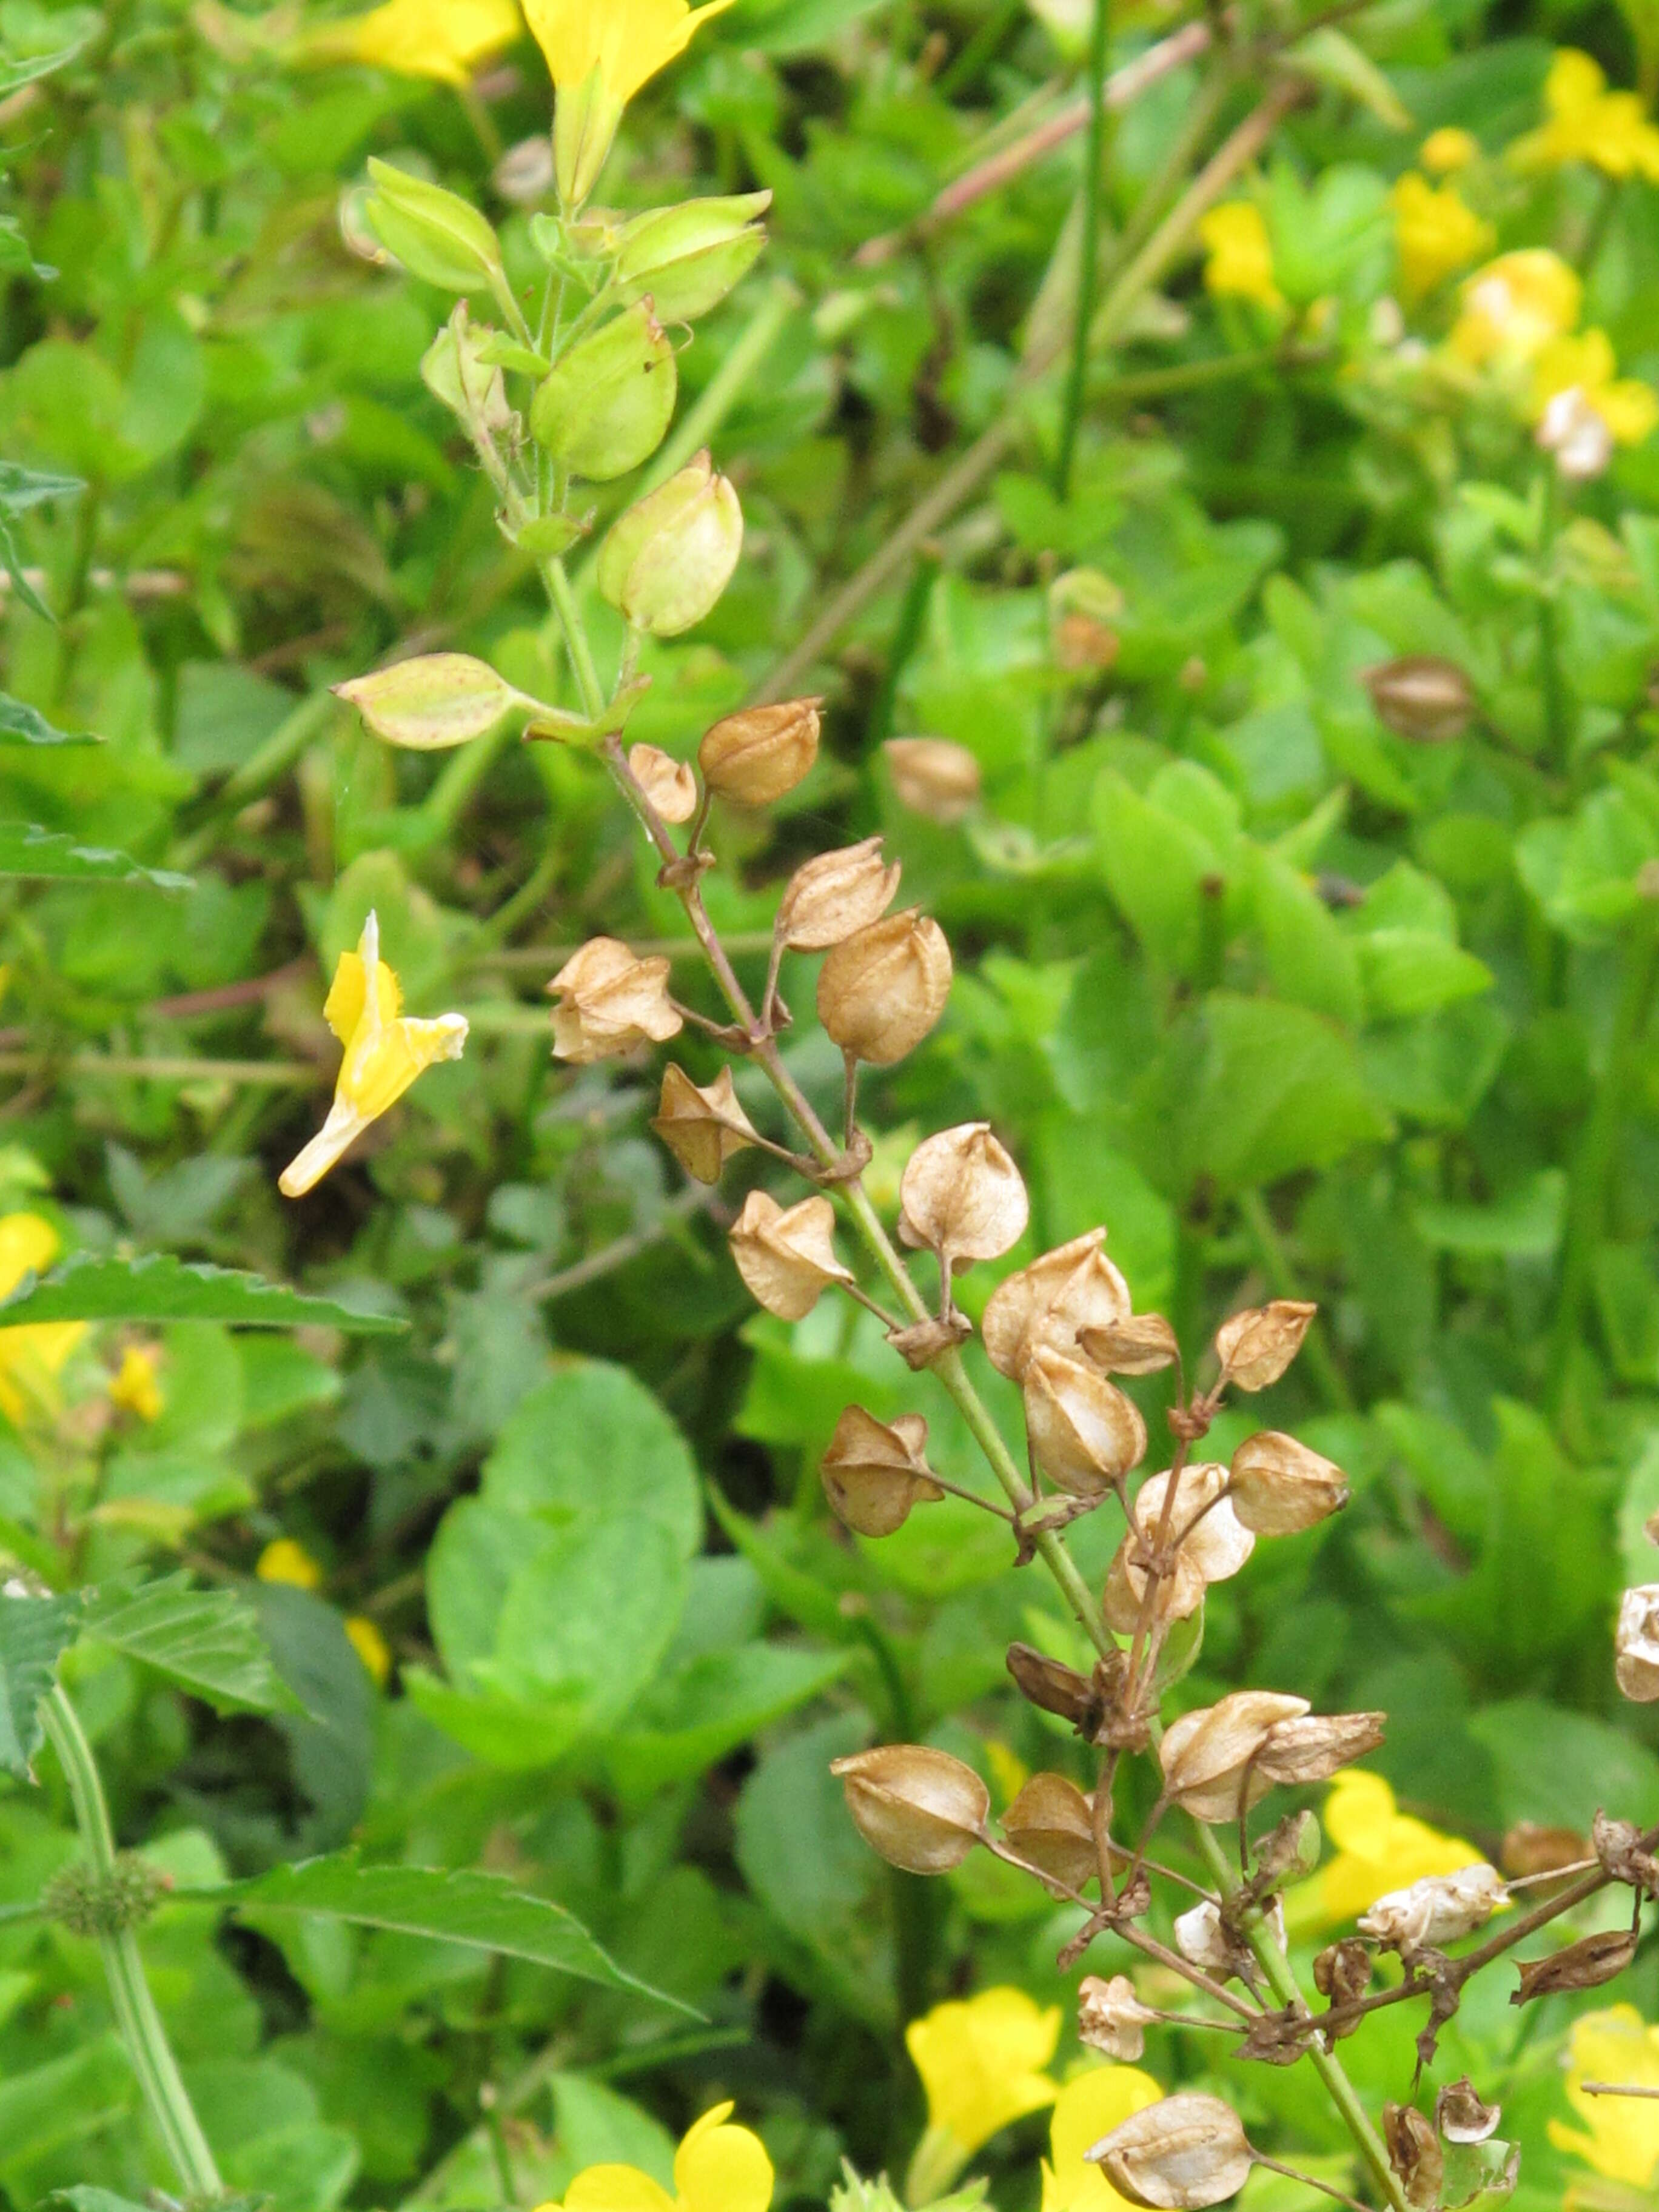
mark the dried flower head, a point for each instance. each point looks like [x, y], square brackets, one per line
[1084, 1433]
[1319, 1745]
[669, 784]
[761, 754]
[1414, 2153]
[919, 1808]
[1111, 2018]
[1460, 2115]
[609, 1002]
[962, 1197]
[1051, 1303]
[1436, 1910]
[1422, 698]
[1214, 1550]
[1585, 1965]
[932, 776]
[831, 897]
[1140, 1343]
[1203, 1938]
[1636, 1643]
[1178, 2155]
[1212, 1758]
[882, 989]
[785, 1254]
[1255, 1347]
[1051, 1824]
[1342, 1971]
[874, 1471]
[702, 1127]
[1279, 1487]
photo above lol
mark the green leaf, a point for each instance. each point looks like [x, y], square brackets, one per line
[70, 31]
[21, 489]
[207, 1642]
[23, 724]
[54, 855]
[544, 1462]
[1525, 1224]
[49, 2109]
[160, 1287]
[34, 1632]
[483, 1911]
[707, 1708]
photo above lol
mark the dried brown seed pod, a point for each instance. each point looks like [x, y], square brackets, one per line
[668, 783]
[1421, 698]
[1057, 1688]
[1459, 2115]
[932, 776]
[1084, 1433]
[919, 1808]
[1255, 1347]
[1436, 1910]
[1414, 2153]
[1279, 1487]
[1212, 1758]
[1291, 1846]
[1140, 1343]
[761, 754]
[1342, 1971]
[702, 1128]
[1530, 1851]
[920, 1344]
[1214, 1552]
[1052, 1302]
[881, 990]
[831, 897]
[1111, 2018]
[962, 1197]
[1178, 2155]
[1636, 1643]
[1051, 1823]
[875, 1471]
[1584, 1964]
[1300, 1752]
[609, 1002]
[1202, 1938]
[1618, 1845]
[785, 1254]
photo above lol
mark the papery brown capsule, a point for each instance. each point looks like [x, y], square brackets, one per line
[1414, 2153]
[1436, 1909]
[1279, 1487]
[1421, 698]
[1052, 1302]
[1182, 2154]
[1055, 1687]
[1529, 1849]
[1584, 1964]
[785, 1254]
[1291, 1847]
[1254, 1348]
[1111, 2018]
[934, 778]
[1050, 1823]
[919, 1808]
[1140, 1343]
[668, 783]
[1214, 1552]
[962, 1197]
[1342, 1971]
[831, 897]
[875, 1471]
[1301, 1752]
[1212, 1758]
[1085, 1434]
[702, 1129]
[1618, 1845]
[609, 1002]
[760, 754]
[881, 990]
[1636, 1643]
[1462, 2116]
[1203, 1939]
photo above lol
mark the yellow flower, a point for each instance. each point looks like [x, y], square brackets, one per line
[716, 2169]
[1611, 131]
[1447, 149]
[1514, 307]
[600, 52]
[370, 1646]
[383, 1055]
[1585, 364]
[285, 1561]
[1379, 1848]
[1091, 2106]
[445, 40]
[1623, 2138]
[31, 1358]
[134, 1387]
[1436, 235]
[981, 2062]
[1241, 263]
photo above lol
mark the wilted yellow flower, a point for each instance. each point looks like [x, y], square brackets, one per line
[1241, 263]
[384, 1054]
[1436, 233]
[445, 40]
[1586, 364]
[981, 2060]
[1514, 307]
[600, 52]
[134, 1387]
[717, 2168]
[1447, 149]
[285, 1561]
[1611, 131]
[1379, 1848]
[1622, 2142]
[1088, 2107]
[370, 1646]
[31, 1358]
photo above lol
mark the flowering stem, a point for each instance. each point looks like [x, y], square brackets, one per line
[575, 636]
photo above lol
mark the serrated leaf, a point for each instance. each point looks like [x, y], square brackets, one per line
[159, 1288]
[207, 1642]
[35, 1632]
[23, 724]
[483, 1911]
[27, 850]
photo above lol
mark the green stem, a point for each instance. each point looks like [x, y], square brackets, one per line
[575, 636]
[1088, 273]
[136, 2015]
[1557, 728]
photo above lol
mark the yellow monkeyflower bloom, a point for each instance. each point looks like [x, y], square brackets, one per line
[370, 1646]
[1241, 254]
[383, 1056]
[134, 1387]
[31, 1358]
[981, 2060]
[445, 40]
[1444, 150]
[717, 2168]
[1088, 2107]
[1621, 2136]
[1586, 364]
[1610, 131]
[1379, 1848]
[600, 52]
[285, 1561]
[1436, 233]
[1514, 307]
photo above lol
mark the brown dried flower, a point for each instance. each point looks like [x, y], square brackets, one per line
[1140, 1343]
[1636, 1643]
[932, 776]
[1212, 1758]
[1051, 1824]
[1460, 2115]
[874, 1471]
[1279, 1487]
[1084, 1433]
[1312, 1749]
[1414, 2153]
[1255, 1347]
[1178, 2155]
[669, 784]
[1214, 1552]
[1342, 1971]
[1421, 698]
[828, 898]
[1584, 1964]
[1052, 1302]
[1436, 1910]
[1059, 1689]
[609, 1002]
[919, 1808]
[962, 1197]
[1110, 2017]
[882, 989]
[702, 1129]
[785, 1254]
[759, 755]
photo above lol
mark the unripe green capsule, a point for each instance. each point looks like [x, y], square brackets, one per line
[607, 405]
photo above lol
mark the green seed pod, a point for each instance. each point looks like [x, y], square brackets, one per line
[689, 257]
[608, 403]
[437, 236]
[669, 558]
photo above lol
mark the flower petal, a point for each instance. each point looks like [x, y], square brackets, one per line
[616, 2189]
[719, 2168]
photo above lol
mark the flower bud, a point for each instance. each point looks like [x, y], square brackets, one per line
[1436, 1910]
[1300, 1752]
[608, 402]
[1577, 433]
[1279, 1487]
[1179, 2154]
[434, 700]
[835, 895]
[873, 1474]
[1255, 1347]
[1422, 697]
[1110, 2017]
[1342, 1971]
[1212, 1759]
[702, 1128]
[669, 784]
[1050, 1823]
[1213, 1552]
[1462, 2116]
[1083, 605]
[962, 1197]
[758, 755]
[919, 1808]
[881, 990]
[1636, 1643]
[1052, 1302]
[1414, 2153]
[786, 1255]
[438, 236]
[1084, 1433]
[1139, 1344]
[933, 777]
[609, 1002]
[455, 372]
[1585, 1965]
[668, 559]
[687, 258]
